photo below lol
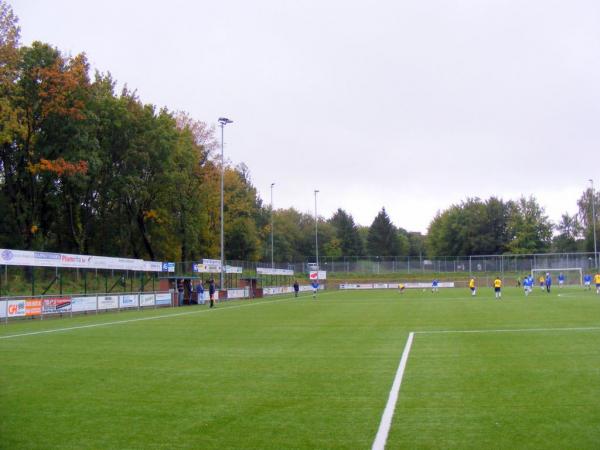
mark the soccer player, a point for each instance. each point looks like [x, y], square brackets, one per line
[597, 281]
[548, 282]
[587, 281]
[434, 285]
[315, 286]
[498, 287]
[542, 281]
[561, 280]
[472, 286]
[296, 288]
[526, 285]
[211, 292]
[401, 287]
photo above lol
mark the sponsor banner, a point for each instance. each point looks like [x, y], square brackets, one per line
[48, 259]
[128, 301]
[56, 305]
[233, 269]
[445, 284]
[33, 307]
[108, 301]
[206, 268]
[356, 286]
[270, 271]
[146, 299]
[163, 299]
[3, 311]
[211, 262]
[308, 287]
[317, 275]
[238, 293]
[168, 267]
[442, 284]
[277, 290]
[15, 308]
[81, 304]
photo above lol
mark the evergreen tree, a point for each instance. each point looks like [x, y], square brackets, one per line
[383, 236]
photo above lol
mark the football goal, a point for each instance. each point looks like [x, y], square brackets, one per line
[572, 275]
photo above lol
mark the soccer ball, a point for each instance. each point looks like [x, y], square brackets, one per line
[424, 290]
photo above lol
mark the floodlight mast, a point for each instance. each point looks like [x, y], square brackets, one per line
[594, 224]
[316, 230]
[222, 121]
[272, 265]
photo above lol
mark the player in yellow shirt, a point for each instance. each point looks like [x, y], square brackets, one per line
[542, 281]
[498, 287]
[597, 281]
[472, 286]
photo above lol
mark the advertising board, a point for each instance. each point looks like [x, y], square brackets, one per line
[237, 293]
[108, 302]
[128, 301]
[56, 305]
[15, 308]
[146, 299]
[81, 304]
[163, 299]
[33, 307]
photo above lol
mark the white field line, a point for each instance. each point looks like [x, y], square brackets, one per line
[390, 407]
[166, 316]
[388, 413]
[510, 330]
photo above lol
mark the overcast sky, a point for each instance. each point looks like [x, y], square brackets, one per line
[411, 105]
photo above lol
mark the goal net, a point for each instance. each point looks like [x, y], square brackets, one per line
[572, 276]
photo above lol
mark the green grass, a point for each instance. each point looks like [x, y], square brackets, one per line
[298, 373]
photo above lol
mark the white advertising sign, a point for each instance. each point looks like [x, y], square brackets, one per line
[128, 301]
[15, 308]
[48, 259]
[356, 286]
[146, 299]
[3, 309]
[277, 290]
[108, 301]
[163, 299]
[80, 304]
[270, 271]
[318, 275]
[442, 284]
[233, 269]
[237, 293]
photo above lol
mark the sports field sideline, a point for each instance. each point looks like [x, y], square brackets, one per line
[303, 373]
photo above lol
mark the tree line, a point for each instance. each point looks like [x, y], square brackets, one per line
[87, 169]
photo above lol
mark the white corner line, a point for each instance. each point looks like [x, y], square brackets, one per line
[509, 330]
[164, 316]
[388, 412]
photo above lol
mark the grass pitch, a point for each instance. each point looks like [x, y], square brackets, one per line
[303, 373]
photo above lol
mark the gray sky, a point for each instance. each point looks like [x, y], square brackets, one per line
[412, 105]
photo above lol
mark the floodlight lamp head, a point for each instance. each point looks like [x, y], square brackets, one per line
[272, 184]
[224, 121]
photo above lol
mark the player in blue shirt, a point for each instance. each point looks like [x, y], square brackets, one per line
[548, 282]
[315, 286]
[587, 281]
[527, 283]
[561, 280]
[434, 285]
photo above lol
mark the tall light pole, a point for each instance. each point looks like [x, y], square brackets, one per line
[594, 223]
[272, 265]
[316, 230]
[222, 121]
